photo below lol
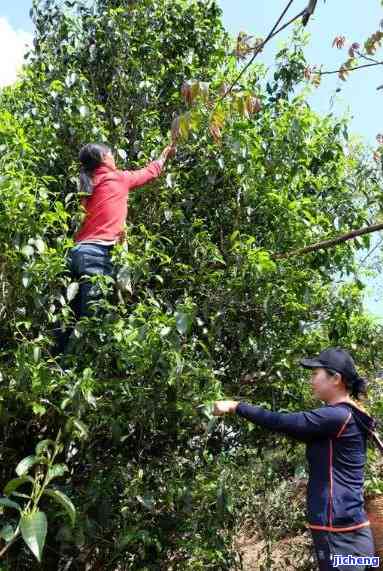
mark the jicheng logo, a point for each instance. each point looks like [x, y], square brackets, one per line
[354, 560]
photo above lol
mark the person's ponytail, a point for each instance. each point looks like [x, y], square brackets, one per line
[358, 387]
[86, 185]
[91, 156]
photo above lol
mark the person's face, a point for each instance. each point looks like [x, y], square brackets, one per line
[108, 159]
[325, 386]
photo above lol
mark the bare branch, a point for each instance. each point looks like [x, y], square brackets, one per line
[279, 30]
[360, 54]
[349, 68]
[324, 245]
[372, 251]
[309, 11]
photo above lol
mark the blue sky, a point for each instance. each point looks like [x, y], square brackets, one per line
[17, 13]
[350, 18]
[354, 19]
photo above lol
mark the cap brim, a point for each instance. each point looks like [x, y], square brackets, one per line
[311, 363]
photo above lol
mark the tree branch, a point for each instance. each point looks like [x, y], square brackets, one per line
[360, 54]
[8, 545]
[260, 46]
[325, 244]
[371, 252]
[346, 69]
[279, 30]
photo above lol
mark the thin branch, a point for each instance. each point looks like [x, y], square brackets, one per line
[346, 69]
[287, 24]
[279, 20]
[8, 545]
[272, 34]
[260, 46]
[360, 54]
[324, 245]
[371, 251]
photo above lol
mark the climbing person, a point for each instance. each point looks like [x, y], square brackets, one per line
[105, 192]
[335, 436]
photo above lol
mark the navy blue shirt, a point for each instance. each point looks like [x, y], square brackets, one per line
[335, 437]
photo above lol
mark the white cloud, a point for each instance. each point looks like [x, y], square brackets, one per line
[13, 45]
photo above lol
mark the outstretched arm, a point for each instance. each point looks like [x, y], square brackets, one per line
[324, 421]
[140, 177]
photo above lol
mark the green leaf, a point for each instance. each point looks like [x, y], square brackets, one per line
[211, 425]
[83, 110]
[57, 471]
[44, 445]
[38, 409]
[16, 483]
[65, 403]
[7, 533]
[36, 354]
[147, 501]
[72, 290]
[183, 322]
[25, 280]
[25, 464]
[90, 398]
[124, 279]
[28, 251]
[9, 504]
[207, 410]
[81, 427]
[33, 529]
[165, 331]
[40, 245]
[184, 125]
[64, 501]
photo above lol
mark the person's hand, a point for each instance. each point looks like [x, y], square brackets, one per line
[222, 407]
[168, 152]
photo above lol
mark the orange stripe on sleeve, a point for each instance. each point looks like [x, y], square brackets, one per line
[344, 425]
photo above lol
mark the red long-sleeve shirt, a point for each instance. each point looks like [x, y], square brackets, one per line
[107, 207]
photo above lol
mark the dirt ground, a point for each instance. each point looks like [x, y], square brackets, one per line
[288, 554]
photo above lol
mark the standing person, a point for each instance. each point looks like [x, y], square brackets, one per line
[335, 436]
[105, 202]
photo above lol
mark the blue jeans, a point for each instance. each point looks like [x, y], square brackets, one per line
[87, 260]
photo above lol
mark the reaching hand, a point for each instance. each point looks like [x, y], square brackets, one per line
[222, 407]
[168, 152]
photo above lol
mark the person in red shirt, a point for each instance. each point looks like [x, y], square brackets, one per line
[106, 191]
[108, 188]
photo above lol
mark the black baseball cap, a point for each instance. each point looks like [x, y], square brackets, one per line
[336, 359]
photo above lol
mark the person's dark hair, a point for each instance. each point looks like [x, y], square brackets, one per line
[90, 157]
[356, 386]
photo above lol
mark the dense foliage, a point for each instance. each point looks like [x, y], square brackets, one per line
[201, 308]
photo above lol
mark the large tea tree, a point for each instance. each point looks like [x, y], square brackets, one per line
[202, 309]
